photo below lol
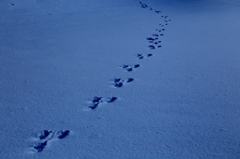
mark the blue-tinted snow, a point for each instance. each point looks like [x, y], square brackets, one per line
[59, 58]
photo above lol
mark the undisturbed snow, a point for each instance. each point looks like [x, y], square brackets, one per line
[183, 103]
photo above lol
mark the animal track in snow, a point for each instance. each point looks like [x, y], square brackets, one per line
[158, 11]
[149, 55]
[62, 134]
[143, 5]
[44, 134]
[130, 68]
[40, 146]
[44, 137]
[110, 99]
[151, 47]
[151, 40]
[97, 101]
[141, 56]
[119, 82]
[154, 40]
[130, 80]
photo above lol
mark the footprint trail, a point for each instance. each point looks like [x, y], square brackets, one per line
[43, 138]
[154, 41]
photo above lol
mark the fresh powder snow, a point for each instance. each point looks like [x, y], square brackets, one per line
[120, 79]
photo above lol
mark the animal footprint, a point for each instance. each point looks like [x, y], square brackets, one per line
[40, 146]
[130, 80]
[62, 134]
[111, 99]
[141, 56]
[150, 40]
[151, 47]
[46, 136]
[154, 39]
[127, 68]
[136, 66]
[143, 5]
[119, 82]
[97, 101]
[164, 16]
[130, 68]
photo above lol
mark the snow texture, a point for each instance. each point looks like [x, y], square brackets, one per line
[120, 79]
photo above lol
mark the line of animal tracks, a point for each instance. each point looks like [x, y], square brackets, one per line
[154, 41]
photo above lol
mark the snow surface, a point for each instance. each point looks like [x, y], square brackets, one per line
[56, 56]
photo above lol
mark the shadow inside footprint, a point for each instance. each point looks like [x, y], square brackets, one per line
[130, 80]
[40, 146]
[127, 68]
[96, 99]
[63, 134]
[136, 66]
[140, 56]
[94, 106]
[118, 82]
[118, 85]
[111, 99]
[44, 134]
[143, 5]
[95, 102]
[151, 47]
[151, 40]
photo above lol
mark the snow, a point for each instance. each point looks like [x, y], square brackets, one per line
[55, 57]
